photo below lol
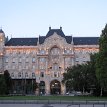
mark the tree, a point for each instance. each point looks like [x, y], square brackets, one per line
[82, 77]
[77, 76]
[2, 85]
[101, 62]
[8, 81]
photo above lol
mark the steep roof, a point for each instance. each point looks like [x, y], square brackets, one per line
[41, 39]
[86, 40]
[22, 42]
[33, 41]
[68, 39]
[58, 31]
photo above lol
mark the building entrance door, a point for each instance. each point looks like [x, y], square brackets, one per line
[55, 87]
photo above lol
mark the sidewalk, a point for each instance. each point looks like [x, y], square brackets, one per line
[50, 102]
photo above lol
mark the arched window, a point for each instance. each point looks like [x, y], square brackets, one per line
[26, 74]
[19, 74]
[12, 74]
[33, 75]
[55, 51]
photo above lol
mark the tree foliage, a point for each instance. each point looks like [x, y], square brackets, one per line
[8, 81]
[2, 85]
[82, 77]
[101, 62]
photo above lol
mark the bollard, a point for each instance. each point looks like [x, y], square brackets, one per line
[104, 104]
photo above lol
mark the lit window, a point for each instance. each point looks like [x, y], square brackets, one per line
[41, 67]
[28, 52]
[1, 39]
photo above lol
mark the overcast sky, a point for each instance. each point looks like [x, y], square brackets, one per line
[30, 18]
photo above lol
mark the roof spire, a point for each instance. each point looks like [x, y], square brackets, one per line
[38, 40]
[72, 41]
[1, 31]
[50, 28]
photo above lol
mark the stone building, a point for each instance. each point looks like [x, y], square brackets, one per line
[43, 59]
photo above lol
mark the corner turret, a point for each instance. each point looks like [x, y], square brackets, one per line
[2, 44]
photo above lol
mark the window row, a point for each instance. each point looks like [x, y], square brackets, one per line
[13, 52]
[23, 75]
[86, 51]
[54, 74]
[20, 67]
[20, 59]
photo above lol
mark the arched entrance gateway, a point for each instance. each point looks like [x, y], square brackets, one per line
[55, 87]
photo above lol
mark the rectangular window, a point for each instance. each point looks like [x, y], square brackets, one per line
[1, 39]
[33, 66]
[33, 59]
[42, 59]
[55, 74]
[12, 74]
[6, 59]
[26, 74]
[33, 75]
[42, 74]
[19, 74]
[55, 67]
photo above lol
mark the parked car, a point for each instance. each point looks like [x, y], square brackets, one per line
[78, 93]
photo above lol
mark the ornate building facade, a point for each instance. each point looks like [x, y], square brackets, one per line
[43, 59]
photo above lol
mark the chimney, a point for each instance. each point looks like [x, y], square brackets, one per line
[60, 28]
[49, 28]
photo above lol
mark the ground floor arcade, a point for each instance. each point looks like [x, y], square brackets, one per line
[30, 86]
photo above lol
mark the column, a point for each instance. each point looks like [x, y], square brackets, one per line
[47, 88]
[63, 89]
